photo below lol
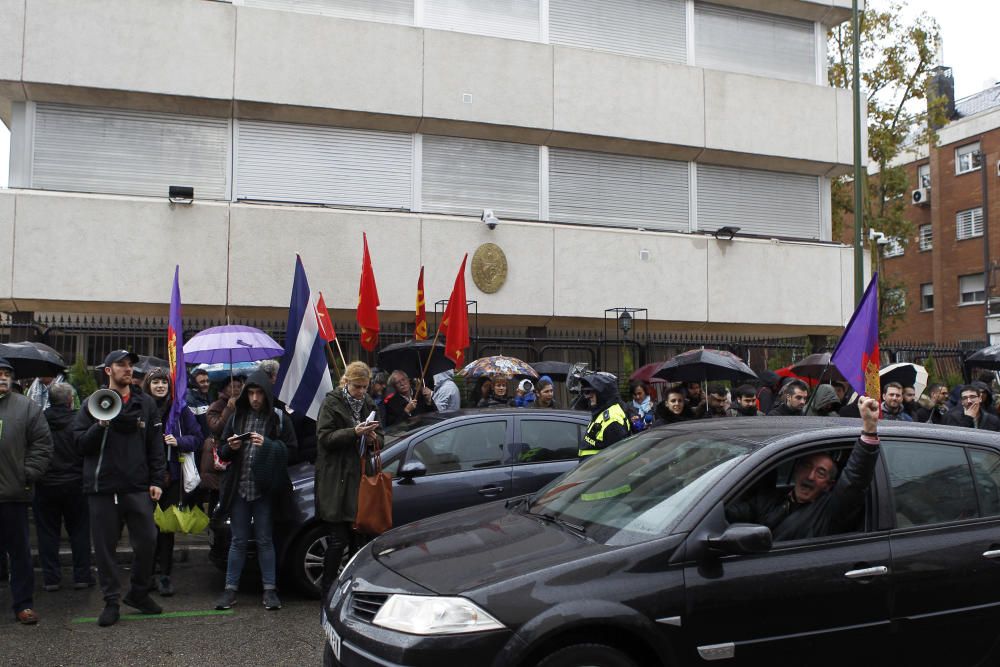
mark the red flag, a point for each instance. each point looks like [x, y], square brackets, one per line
[326, 331]
[420, 330]
[455, 323]
[368, 302]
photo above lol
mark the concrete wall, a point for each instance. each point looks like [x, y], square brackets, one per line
[187, 55]
[121, 251]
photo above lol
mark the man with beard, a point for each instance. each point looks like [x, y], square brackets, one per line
[695, 398]
[123, 475]
[820, 503]
[938, 408]
[745, 404]
[892, 403]
[910, 404]
[792, 400]
[716, 402]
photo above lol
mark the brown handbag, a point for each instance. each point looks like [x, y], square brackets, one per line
[374, 515]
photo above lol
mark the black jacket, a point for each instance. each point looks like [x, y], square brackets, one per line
[957, 417]
[932, 415]
[270, 464]
[607, 397]
[782, 410]
[834, 512]
[395, 408]
[66, 467]
[131, 456]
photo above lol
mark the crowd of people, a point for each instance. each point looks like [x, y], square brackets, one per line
[91, 474]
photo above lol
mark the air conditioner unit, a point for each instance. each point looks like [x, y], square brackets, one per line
[921, 197]
[998, 167]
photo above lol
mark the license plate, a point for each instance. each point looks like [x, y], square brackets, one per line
[332, 637]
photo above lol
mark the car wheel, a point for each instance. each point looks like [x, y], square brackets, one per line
[306, 559]
[587, 655]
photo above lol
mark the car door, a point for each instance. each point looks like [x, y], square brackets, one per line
[465, 461]
[806, 601]
[945, 550]
[544, 447]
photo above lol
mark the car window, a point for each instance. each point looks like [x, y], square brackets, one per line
[986, 468]
[930, 483]
[463, 447]
[546, 440]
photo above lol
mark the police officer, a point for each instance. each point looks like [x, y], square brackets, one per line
[609, 423]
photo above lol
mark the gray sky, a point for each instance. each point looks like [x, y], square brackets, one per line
[966, 27]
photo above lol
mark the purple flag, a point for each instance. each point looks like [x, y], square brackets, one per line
[175, 354]
[857, 354]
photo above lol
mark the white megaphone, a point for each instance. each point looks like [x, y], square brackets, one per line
[104, 404]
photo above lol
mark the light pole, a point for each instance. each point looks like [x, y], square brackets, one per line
[987, 272]
[858, 194]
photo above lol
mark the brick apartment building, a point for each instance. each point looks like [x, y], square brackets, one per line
[941, 266]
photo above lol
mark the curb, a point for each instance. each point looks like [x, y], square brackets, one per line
[123, 555]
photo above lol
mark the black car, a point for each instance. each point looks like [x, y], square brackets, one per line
[439, 462]
[629, 561]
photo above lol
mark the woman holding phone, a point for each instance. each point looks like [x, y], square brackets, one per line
[346, 427]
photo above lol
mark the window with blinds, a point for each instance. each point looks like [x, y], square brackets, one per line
[619, 190]
[926, 238]
[738, 40]
[465, 176]
[644, 28]
[893, 249]
[969, 224]
[513, 19]
[114, 151]
[971, 289]
[386, 11]
[763, 203]
[324, 165]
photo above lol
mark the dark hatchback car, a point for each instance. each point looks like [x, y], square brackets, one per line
[439, 462]
[628, 561]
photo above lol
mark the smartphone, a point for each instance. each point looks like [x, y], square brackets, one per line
[242, 436]
[371, 418]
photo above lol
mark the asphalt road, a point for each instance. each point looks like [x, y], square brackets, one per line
[248, 634]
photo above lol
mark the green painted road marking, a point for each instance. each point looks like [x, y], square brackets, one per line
[170, 614]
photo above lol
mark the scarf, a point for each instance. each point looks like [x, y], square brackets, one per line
[355, 404]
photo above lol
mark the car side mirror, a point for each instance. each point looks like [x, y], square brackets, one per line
[412, 469]
[741, 538]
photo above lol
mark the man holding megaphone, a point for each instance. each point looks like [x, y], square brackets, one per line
[120, 435]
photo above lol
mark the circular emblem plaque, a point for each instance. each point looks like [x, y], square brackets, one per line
[489, 268]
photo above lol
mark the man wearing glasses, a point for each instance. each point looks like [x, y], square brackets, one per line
[819, 503]
[971, 413]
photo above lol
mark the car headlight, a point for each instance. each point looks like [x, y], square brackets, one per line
[433, 615]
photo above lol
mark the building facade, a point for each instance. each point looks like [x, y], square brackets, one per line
[610, 138]
[940, 267]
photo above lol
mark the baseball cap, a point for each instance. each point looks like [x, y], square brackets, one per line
[118, 355]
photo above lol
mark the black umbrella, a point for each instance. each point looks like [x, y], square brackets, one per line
[988, 358]
[31, 362]
[557, 370]
[704, 365]
[410, 357]
[817, 366]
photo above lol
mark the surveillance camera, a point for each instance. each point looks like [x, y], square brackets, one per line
[877, 237]
[491, 220]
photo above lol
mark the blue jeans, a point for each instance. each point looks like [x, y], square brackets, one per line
[244, 516]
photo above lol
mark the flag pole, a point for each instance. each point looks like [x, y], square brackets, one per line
[427, 364]
[339, 349]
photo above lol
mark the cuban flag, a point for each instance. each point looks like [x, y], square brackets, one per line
[304, 377]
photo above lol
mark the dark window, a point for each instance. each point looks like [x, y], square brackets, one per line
[465, 447]
[547, 441]
[930, 483]
[986, 468]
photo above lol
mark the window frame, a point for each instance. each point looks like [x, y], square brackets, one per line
[581, 429]
[923, 307]
[924, 176]
[894, 248]
[971, 224]
[961, 294]
[967, 151]
[891, 491]
[411, 454]
[926, 241]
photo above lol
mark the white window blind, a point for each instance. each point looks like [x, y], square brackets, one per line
[513, 19]
[604, 189]
[386, 11]
[465, 176]
[969, 224]
[113, 151]
[758, 202]
[324, 165]
[926, 237]
[738, 40]
[972, 288]
[645, 28]
[893, 249]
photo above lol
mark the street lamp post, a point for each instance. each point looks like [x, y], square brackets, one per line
[858, 195]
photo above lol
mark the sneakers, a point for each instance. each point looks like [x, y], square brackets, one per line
[109, 616]
[227, 599]
[164, 587]
[144, 604]
[271, 601]
[27, 617]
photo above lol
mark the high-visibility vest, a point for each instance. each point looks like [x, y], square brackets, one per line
[593, 441]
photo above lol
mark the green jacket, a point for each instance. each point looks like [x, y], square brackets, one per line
[25, 447]
[338, 461]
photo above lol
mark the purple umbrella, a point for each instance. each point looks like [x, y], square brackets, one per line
[229, 344]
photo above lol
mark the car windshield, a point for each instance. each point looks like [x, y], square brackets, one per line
[640, 488]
